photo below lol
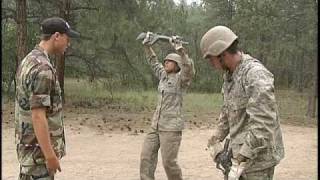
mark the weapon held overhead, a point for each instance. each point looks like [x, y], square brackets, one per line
[153, 38]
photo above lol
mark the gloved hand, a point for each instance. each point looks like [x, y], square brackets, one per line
[236, 169]
[176, 44]
[147, 39]
[215, 149]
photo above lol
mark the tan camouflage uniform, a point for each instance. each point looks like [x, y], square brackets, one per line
[250, 115]
[167, 122]
[37, 87]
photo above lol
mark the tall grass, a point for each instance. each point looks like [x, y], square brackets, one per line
[81, 90]
[292, 105]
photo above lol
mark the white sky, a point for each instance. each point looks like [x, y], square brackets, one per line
[188, 1]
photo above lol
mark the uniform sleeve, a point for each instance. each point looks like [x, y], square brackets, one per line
[187, 70]
[262, 111]
[157, 67]
[41, 86]
[223, 125]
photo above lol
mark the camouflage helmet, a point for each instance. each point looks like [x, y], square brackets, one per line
[174, 57]
[216, 40]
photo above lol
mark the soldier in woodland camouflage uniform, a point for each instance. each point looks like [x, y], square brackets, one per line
[39, 131]
[249, 113]
[167, 122]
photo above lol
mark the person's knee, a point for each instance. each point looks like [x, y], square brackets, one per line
[148, 153]
[170, 164]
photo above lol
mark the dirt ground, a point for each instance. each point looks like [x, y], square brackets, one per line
[106, 143]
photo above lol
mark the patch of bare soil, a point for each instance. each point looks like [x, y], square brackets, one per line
[105, 143]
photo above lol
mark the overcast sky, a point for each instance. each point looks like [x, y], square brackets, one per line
[188, 1]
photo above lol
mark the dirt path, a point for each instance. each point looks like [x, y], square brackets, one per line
[94, 155]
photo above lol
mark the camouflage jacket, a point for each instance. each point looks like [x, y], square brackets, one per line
[37, 86]
[250, 115]
[167, 116]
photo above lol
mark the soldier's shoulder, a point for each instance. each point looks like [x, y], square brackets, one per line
[38, 59]
[254, 65]
[254, 70]
[39, 56]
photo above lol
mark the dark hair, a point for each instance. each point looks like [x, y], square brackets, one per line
[45, 37]
[177, 68]
[233, 48]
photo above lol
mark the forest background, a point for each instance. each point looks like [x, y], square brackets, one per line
[107, 65]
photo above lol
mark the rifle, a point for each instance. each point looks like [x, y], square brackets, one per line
[153, 38]
[223, 159]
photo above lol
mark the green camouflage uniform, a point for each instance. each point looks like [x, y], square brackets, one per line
[250, 115]
[37, 87]
[167, 122]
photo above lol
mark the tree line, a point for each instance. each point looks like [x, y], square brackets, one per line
[280, 33]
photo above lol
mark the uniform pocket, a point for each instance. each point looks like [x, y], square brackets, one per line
[171, 85]
[172, 120]
[29, 156]
[236, 144]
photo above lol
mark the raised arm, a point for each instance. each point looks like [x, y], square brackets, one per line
[187, 68]
[156, 66]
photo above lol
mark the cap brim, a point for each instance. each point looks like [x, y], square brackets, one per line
[73, 34]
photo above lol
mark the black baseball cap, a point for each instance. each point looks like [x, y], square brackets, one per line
[56, 24]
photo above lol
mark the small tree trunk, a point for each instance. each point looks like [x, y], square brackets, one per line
[21, 19]
[312, 99]
[312, 104]
[64, 11]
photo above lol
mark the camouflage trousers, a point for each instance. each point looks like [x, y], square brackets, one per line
[168, 142]
[266, 174]
[37, 172]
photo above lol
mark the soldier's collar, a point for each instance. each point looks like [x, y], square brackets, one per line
[42, 50]
[238, 67]
[227, 76]
[46, 53]
[230, 76]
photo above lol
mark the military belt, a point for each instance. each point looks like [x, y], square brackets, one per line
[30, 145]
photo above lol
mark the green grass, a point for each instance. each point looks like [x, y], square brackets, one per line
[292, 105]
[82, 90]
[203, 102]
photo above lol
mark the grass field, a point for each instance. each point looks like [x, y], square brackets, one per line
[292, 105]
